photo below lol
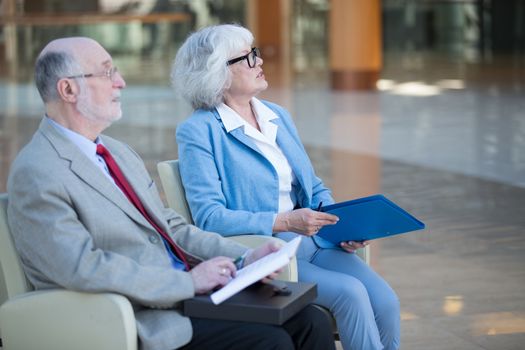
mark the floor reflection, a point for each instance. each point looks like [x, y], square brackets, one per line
[455, 159]
[499, 323]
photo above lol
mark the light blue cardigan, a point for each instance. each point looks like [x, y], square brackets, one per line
[230, 186]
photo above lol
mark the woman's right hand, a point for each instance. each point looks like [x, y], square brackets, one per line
[304, 221]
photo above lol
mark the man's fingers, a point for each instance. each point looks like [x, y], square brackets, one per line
[226, 268]
[263, 250]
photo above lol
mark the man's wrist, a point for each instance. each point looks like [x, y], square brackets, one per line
[239, 262]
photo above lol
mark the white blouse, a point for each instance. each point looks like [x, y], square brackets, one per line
[265, 140]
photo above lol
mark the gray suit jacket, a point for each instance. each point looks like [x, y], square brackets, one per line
[75, 229]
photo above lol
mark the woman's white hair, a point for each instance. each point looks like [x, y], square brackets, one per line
[199, 73]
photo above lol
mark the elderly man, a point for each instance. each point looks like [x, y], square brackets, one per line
[85, 215]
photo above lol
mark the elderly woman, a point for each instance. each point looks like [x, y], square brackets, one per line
[245, 170]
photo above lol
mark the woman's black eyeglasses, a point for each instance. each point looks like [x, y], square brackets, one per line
[251, 57]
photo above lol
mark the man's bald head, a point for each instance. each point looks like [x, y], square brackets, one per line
[75, 46]
[61, 58]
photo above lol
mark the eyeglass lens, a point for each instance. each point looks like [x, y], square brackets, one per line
[110, 73]
[252, 57]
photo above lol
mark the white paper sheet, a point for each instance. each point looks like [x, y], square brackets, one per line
[257, 271]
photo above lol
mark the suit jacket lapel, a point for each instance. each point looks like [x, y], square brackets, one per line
[286, 142]
[239, 135]
[89, 173]
[246, 140]
[139, 188]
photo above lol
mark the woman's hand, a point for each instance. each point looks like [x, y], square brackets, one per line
[304, 221]
[352, 246]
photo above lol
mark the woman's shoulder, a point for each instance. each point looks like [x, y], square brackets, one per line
[201, 119]
[200, 116]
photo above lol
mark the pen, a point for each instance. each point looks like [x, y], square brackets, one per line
[320, 205]
[238, 260]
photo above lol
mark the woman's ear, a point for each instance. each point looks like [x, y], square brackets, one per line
[68, 90]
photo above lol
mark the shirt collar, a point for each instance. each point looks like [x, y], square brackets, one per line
[232, 120]
[229, 117]
[262, 112]
[84, 144]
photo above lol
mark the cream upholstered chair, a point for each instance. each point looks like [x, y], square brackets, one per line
[174, 191]
[171, 182]
[57, 319]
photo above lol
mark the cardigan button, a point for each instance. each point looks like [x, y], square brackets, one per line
[154, 239]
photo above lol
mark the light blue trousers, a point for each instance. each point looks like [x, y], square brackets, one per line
[365, 307]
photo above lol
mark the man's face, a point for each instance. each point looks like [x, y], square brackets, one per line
[99, 97]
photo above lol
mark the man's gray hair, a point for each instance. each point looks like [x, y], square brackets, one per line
[199, 72]
[50, 67]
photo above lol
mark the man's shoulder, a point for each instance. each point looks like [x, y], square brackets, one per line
[38, 148]
[37, 161]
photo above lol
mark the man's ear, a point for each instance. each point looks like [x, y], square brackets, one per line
[68, 90]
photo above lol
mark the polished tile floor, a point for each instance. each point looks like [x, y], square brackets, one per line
[443, 138]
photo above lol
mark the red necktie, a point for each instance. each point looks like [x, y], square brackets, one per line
[124, 185]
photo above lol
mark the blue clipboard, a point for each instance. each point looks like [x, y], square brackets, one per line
[366, 219]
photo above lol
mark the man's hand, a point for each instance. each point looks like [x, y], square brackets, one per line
[304, 221]
[212, 273]
[263, 250]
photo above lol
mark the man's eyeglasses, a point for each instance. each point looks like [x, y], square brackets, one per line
[251, 57]
[110, 73]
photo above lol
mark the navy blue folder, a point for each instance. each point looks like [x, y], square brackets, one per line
[368, 218]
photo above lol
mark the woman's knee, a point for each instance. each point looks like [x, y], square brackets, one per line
[387, 303]
[352, 289]
[349, 297]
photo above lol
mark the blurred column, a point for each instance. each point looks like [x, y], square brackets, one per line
[11, 45]
[356, 145]
[355, 44]
[269, 21]
[356, 151]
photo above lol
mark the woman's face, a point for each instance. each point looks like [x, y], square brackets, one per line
[246, 81]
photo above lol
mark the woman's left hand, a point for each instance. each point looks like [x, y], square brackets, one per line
[352, 246]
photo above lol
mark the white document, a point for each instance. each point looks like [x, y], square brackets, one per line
[257, 271]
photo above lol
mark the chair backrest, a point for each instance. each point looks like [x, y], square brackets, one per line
[12, 278]
[171, 182]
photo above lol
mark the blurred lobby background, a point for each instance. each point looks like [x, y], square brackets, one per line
[421, 100]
